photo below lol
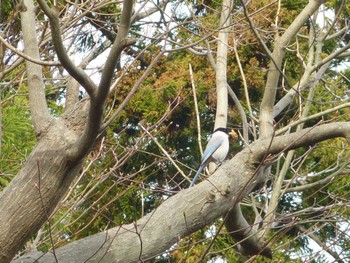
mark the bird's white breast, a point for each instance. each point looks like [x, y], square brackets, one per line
[220, 154]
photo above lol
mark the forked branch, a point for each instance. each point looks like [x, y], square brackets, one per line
[96, 109]
[76, 72]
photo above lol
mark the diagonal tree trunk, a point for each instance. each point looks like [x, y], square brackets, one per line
[34, 193]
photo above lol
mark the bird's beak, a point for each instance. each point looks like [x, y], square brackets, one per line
[233, 134]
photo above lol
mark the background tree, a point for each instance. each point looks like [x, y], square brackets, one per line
[105, 110]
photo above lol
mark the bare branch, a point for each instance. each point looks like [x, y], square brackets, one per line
[119, 44]
[98, 100]
[305, 137]
[26, 57]
[245, 87]
[221, 66]
[241, 113]
[198, 121]
[327, 59]
[165, 153]
[241, 231]
[72, 93]
[305, 82]
[311, 117]
[267, 104]
[313, 236]
[40, 114]
[72, 89]
[320, 182]
[255, 31]
[131, 93]
[306, 79]
[138, 15]
[232, 95]
[77, 73]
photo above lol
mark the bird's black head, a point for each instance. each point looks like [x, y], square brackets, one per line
[228, 131]
[225, 130]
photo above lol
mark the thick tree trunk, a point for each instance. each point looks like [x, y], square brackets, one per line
[34, 193]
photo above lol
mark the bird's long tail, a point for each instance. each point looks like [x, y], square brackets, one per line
[197, 175]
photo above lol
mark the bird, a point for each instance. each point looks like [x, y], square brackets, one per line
[216, 150]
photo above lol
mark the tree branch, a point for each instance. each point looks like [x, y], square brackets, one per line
[98, 100]
[267, 104]
[72, 89]
[315, 238]
[305, 82]
[320, 182]
[138, 15]
[76, 72]
[311, 117]
[198, 120]
[232, 95]
[221, 66]
[331, 56]
[255, 31]
[37, 100]
[119, 44]
[241, 113]
[241, 231]
[302, 138]
[132, 92]
[245, 88]
[26, 57]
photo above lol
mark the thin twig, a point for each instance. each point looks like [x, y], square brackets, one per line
[165, 153]
[26, 57]
[196, 110]
[245, 86]
[131, 93]
[311, 117]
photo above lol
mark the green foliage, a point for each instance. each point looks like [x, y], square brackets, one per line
[6, 9]
[18, 137]
[54, 97]
[297, 6]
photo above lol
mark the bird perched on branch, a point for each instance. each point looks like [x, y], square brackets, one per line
[216, 150]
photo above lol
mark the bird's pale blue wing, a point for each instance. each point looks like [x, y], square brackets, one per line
[210, 150]
[219, 139]
[206, 155]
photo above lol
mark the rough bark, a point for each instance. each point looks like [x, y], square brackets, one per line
[195, 207]
[37, 100]
[240, 230]
[28, 201]
[72, 96]
[221, 66]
